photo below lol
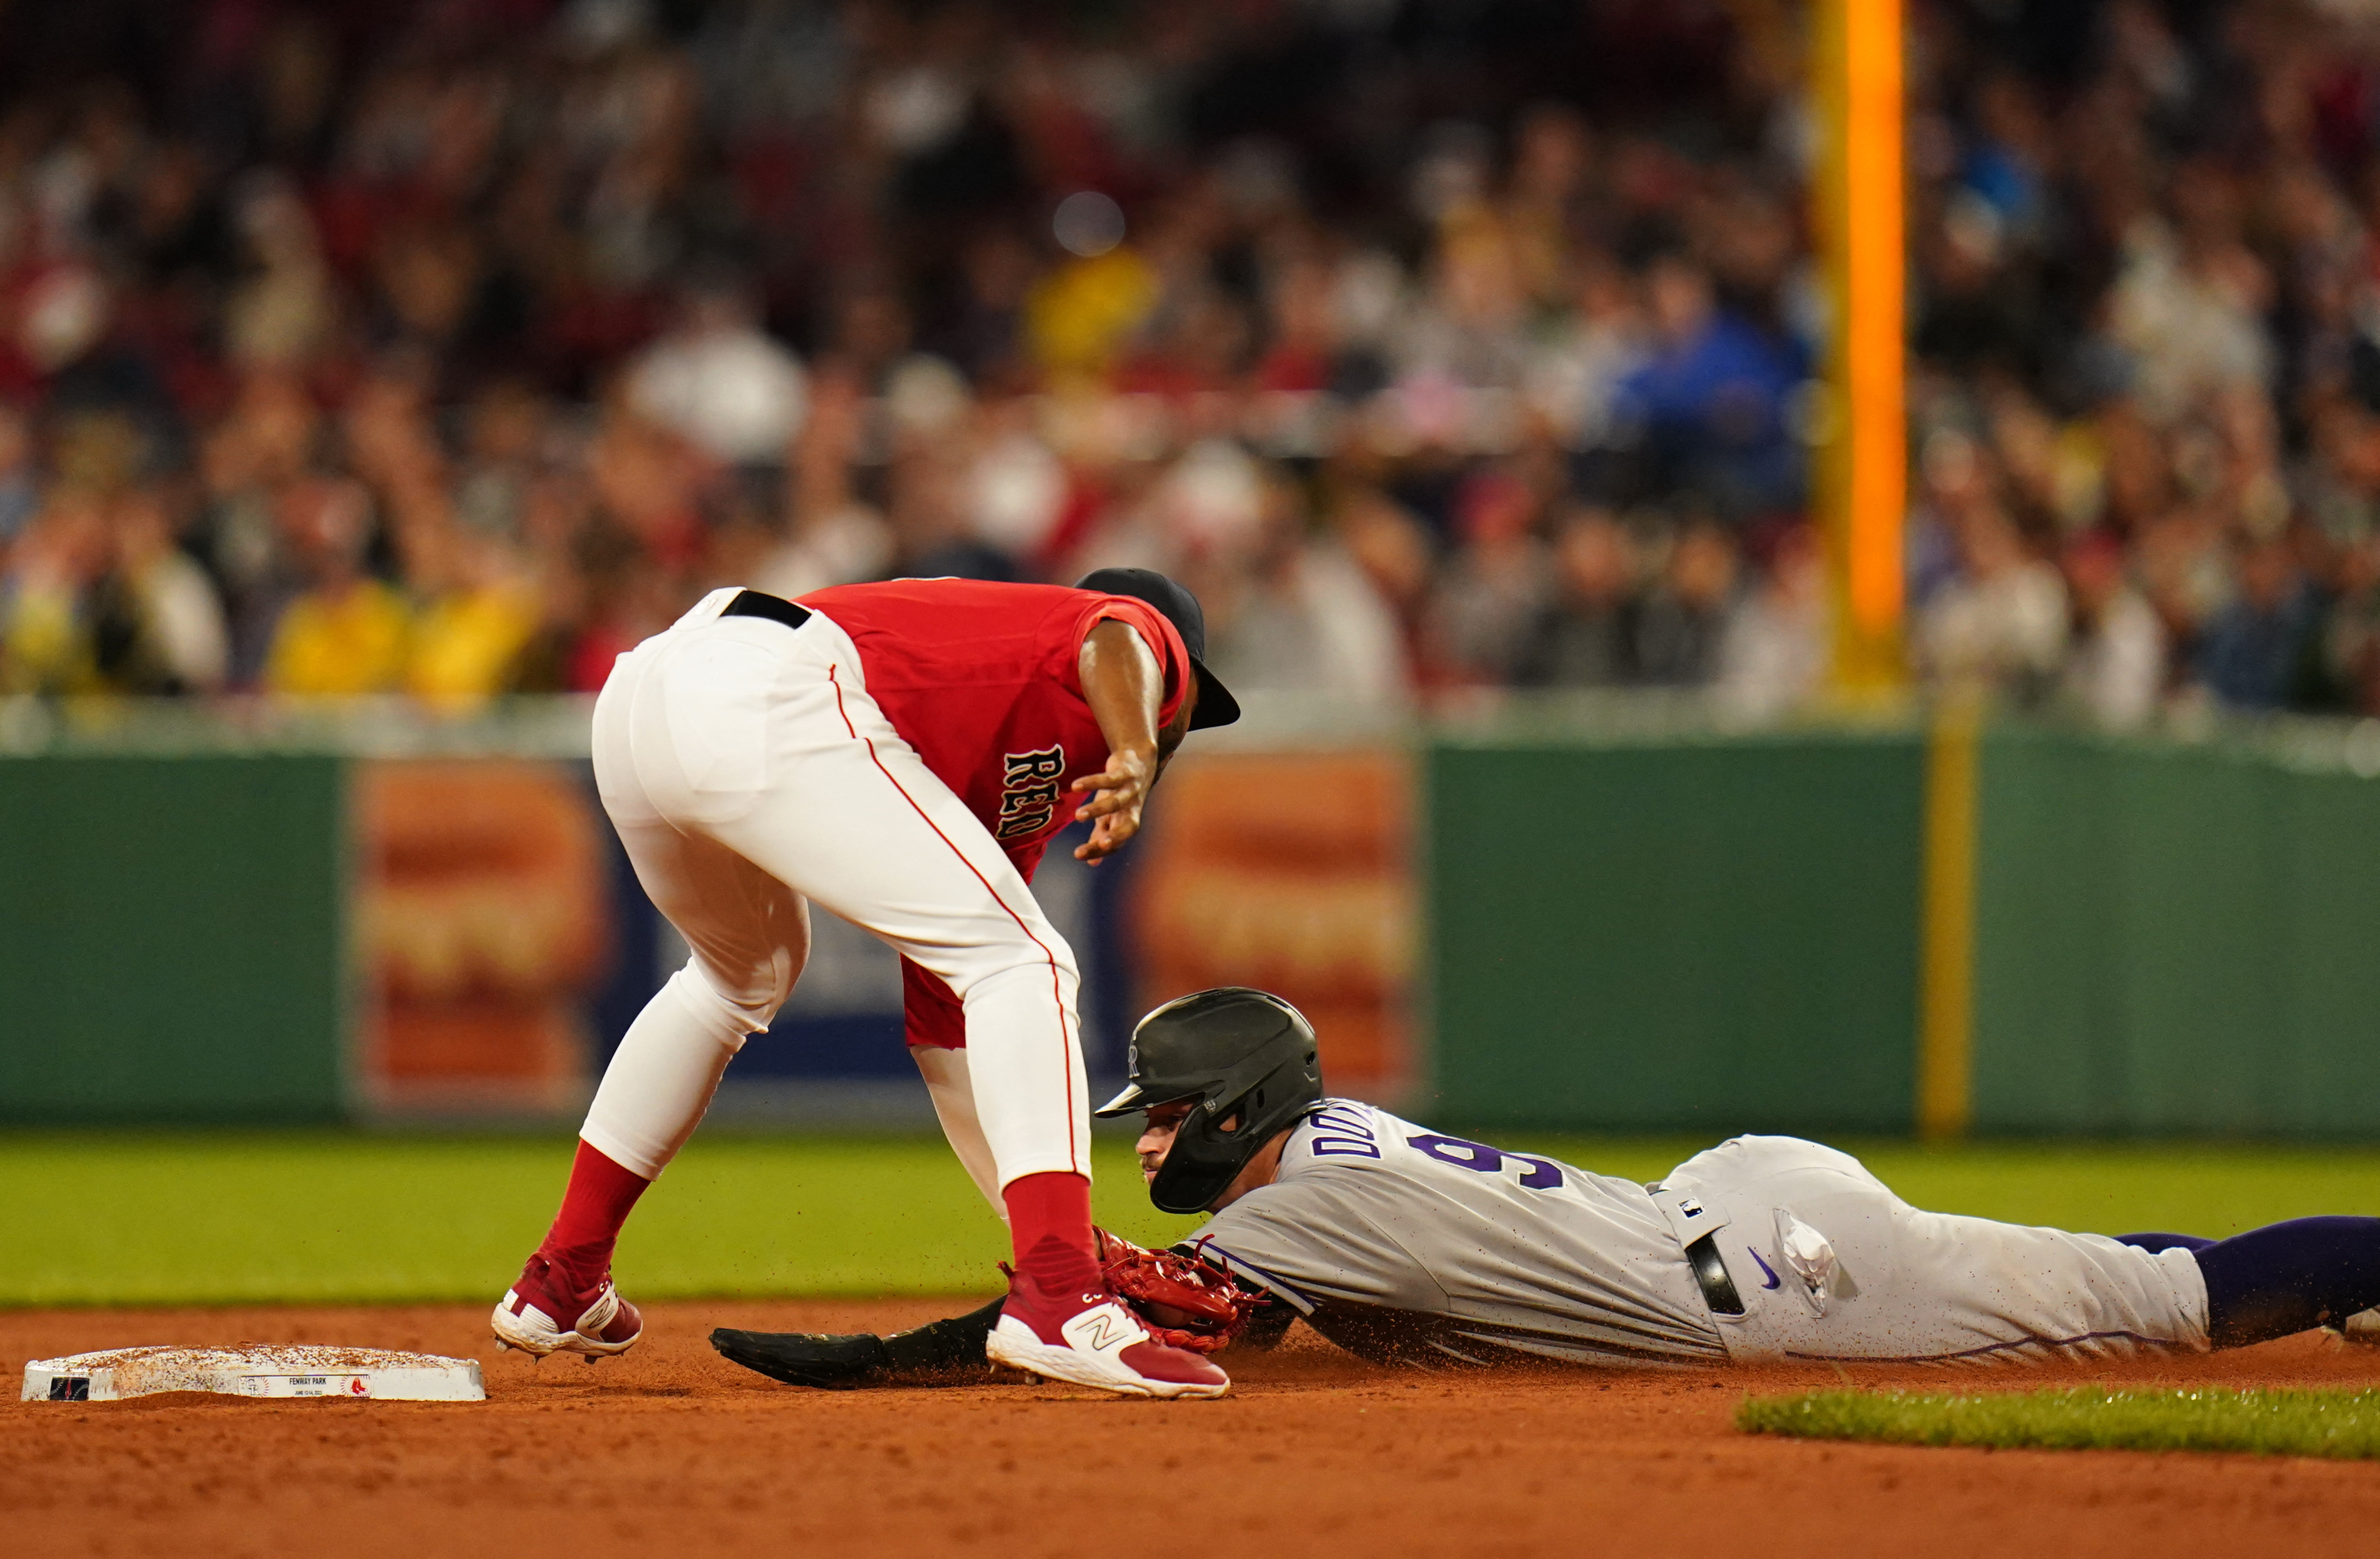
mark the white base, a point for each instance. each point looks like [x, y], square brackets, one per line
[254, 1369]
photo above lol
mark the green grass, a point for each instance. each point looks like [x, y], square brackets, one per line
[236, 1217]
[192, 1218]
[2271, 1422]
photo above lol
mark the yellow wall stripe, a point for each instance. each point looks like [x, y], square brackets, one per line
[1946, 1057]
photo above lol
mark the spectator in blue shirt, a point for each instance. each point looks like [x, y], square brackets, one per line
[2257, 652]
[1708, 409]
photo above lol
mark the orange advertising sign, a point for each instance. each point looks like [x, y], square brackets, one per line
[480, 908]
[1291, 872]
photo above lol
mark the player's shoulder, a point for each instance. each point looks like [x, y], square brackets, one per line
[1338, 1134]
[947, 591]
[998, 618]
[1341, 1130]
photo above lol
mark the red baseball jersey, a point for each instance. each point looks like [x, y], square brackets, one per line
[985, 681]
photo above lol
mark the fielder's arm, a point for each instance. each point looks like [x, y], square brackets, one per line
[1125, 688]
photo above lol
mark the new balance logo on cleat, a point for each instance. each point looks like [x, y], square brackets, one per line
[1091, 1340]
[1101, 1329]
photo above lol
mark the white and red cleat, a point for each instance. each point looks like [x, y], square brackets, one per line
[1088, 1338]
[542, 1314]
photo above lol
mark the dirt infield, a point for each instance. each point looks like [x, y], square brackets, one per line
[672, 1451]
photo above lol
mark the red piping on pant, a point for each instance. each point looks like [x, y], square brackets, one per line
[1057, 984]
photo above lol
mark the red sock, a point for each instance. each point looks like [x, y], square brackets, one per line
[1049, 1218]
[593, 1209]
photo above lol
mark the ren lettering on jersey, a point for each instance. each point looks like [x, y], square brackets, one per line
[1028, 791]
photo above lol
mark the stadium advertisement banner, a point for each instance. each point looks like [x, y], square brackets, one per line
[480, 927]
[1291, 872]
[503, 946]
[498, 972]
[1639, 931]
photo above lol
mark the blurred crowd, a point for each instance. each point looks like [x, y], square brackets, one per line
[449, 346]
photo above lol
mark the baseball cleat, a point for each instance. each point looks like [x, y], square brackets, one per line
[542, 1314]
[1087, 1338]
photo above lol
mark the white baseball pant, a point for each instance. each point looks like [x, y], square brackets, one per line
[748, 772]
[1892, 1283]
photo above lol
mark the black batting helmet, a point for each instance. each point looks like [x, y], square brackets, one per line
[1239, 1053]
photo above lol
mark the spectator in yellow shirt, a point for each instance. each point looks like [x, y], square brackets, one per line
[348, 633]
[467, 642]
[45, 644]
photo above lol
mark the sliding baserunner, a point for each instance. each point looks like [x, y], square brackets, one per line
[1411, 1247]
[900, 754]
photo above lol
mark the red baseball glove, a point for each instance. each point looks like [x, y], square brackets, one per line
[1185, 1303]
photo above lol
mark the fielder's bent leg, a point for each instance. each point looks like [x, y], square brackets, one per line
[826, 799]
[832, 803]
[748, 933]
[749, 936]
[661, 1079]
[948, 1085]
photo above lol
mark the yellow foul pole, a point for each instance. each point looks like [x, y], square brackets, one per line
[1863, 474]
[1862, 494]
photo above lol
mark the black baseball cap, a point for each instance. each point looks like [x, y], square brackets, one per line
[1178, 606]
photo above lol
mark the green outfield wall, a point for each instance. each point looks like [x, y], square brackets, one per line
[1665, 932]
[1726, 933]
[1651, 928]
[170, 938]
[2175, 940]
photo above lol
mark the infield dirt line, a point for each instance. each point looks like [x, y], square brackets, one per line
[672, 1450]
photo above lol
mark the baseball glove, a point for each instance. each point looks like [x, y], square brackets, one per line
[940, 1353]
[1184, 1302]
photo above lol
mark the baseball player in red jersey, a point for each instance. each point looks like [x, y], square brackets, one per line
[901, 753]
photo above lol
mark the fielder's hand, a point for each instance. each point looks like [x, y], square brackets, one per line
[1117, 794]
[1185, 1303]
[1126, 692]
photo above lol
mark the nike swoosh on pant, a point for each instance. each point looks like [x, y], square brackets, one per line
[1767, 1274]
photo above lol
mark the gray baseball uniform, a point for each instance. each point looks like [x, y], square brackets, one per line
[1403, 1245]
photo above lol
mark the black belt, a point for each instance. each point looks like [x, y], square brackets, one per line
[1718, 1289]
[759, 603]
